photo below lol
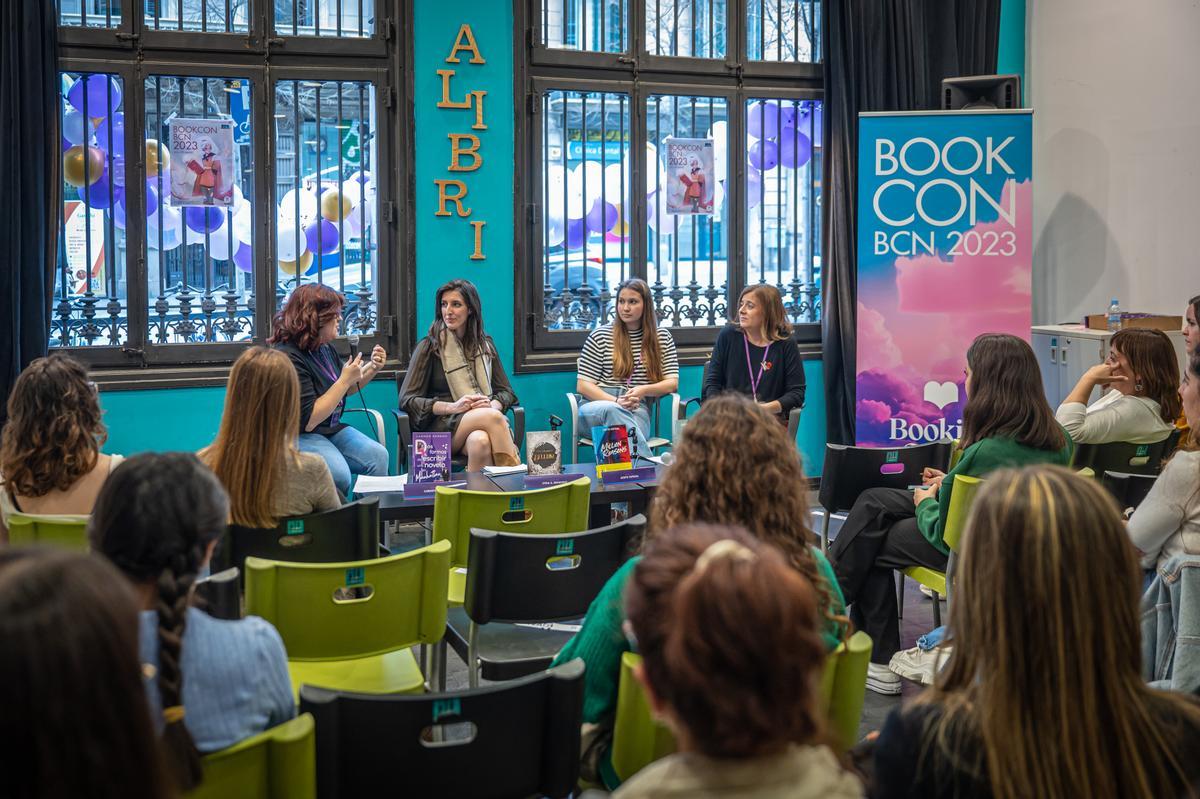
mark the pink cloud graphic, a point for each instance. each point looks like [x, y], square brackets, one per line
[882, 352]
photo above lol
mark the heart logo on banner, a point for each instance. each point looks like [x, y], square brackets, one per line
[941, 394]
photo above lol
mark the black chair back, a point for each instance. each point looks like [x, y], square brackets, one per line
[350, 532]
[220, 595]
[849, 471]
[521, 738]
[1128, 489]
[1120, 456]
[516, 578]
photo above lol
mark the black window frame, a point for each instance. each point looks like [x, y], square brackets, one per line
[639, 75]
[135, 51]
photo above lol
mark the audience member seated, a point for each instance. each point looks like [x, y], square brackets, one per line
[255, 455]
[1006, 422]
[755, 356]
[74, 721]
[734, 466]
[50, 459]
[456, 381]
[214, 682]
[731, 656]
[1142, 403]
[1043, 695]
[303, 330]
[1167, 522]
[623, 364]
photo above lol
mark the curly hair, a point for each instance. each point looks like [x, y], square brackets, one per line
[734, 465]
[307, 310]
[54, 432]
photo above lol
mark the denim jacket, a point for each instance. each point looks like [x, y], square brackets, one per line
[1171, 626]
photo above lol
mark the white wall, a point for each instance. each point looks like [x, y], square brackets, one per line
[1115, 88]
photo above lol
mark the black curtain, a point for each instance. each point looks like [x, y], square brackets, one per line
[29, 169]
[880, 55]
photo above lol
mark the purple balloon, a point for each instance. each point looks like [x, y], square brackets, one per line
[576, 234]
[762, 119]
[754, 188]
[67, 145]
[203, 220]
[120, 208]
[97, 195]
[602, 216]
[794, 148]
[244, 257]
[112, 129]
[764, 154]
[328, 237]
[97, 90]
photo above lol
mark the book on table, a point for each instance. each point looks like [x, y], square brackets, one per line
[611, 445]
[543, 450]
[430, 458]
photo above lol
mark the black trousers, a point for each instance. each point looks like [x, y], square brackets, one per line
[879, 536]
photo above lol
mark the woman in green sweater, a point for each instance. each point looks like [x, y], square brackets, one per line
[1006, 422]
[733, 465]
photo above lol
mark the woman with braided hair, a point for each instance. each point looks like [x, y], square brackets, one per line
[215, 682]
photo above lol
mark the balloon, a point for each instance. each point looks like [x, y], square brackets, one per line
[96, 88]
[764, 154]
[357, 177]
[171, 221]
[663, 222]
[110, 134]
[117, 171]
[762, 119]
[590, 176]
[243, 223]
[576, 234]
[352, 224]
[97, 195]
[335, 205]
[66, 145]
[285, 241]
[616, 184]
[158, 158]
[556, 231]
[289, 267]
[74, 170]
[788, 114]
[619, 231]
[243, 257]
[754, 188]
[203, 220]
[75, 128]
[221, 242]
[328, 237]
[238, 198]
[576, 209]
[719, 133]
[308, 206]
[818, 119]
[602, 216]
[794, 148]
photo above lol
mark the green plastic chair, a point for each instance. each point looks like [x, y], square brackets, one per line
[559, 509]
[639, 740]
[964, 491]
[280, 763]
[350, 626]
[62, 531]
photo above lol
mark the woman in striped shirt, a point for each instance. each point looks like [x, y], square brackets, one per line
[621, 367]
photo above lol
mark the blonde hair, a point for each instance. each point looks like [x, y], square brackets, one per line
[258, 434]
[1044, 692]
[652, 357]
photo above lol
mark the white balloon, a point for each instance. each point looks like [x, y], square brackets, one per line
[556, 231]
[554, 191]
[243, 223]
[615, 180]
[594, 183]
[719, 135]
[656, 173]
[576, 209]
[238, 197]
[171, 221]
[308, 207]
[75, 128]
[285, 241]
[220, 241]
[663, 222]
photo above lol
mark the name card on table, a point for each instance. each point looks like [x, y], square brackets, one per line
[547, 480]
[641, 474]
[426, 490]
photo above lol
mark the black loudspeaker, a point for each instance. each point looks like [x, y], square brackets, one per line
[981, 92]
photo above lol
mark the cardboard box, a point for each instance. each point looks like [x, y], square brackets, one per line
[1099, 321]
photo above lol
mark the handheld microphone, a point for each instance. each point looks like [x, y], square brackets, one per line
[353, 339]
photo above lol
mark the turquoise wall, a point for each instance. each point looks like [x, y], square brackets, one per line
[188, 418]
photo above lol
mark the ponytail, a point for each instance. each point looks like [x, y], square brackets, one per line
[174, 595]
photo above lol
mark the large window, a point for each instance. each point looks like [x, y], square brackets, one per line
[225, 153]
[678, 141]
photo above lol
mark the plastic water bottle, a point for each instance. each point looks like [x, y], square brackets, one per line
[1114, 316]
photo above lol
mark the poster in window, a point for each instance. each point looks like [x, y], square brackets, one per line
[690, 176]
[202, 162]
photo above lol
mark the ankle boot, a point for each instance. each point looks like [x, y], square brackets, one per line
[505, 459]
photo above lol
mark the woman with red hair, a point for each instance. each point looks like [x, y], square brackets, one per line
[303, 330]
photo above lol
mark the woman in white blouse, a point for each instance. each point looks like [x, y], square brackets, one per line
[1142, 401]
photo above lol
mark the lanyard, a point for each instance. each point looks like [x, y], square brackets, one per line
[754, 381]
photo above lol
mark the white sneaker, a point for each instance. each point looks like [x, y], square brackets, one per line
[882, 680]
[920, 665]
[927, 591]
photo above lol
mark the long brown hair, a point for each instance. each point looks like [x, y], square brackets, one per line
[775, 322]
[257, 438]
[1152, 358]
[474, 341]
[699, 602]
[734, 465]
[299, 322]
[1046, 670]
[75, 719]
[1006, 399]
[652, 357]
[155, 519]
[54, 433]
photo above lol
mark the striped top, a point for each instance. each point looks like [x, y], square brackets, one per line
[595, 363]
[235, 677]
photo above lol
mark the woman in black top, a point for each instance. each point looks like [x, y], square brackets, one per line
[755, 355]
[303, 330]
[456, 383]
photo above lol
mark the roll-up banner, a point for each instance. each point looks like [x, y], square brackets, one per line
[944, 254]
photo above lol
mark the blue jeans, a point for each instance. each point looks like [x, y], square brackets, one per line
[605, 413]
[347, 452]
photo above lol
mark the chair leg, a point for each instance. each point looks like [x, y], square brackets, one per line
[900, 595]
[423, 662]
[472, 658]
[937, 610]
[825, 532]
[441, 665]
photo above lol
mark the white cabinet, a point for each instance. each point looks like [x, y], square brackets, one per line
[1065, 352]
